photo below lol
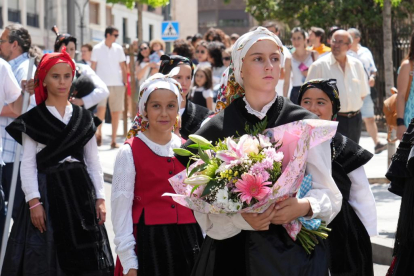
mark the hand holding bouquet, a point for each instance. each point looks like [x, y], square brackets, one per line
[251, 172]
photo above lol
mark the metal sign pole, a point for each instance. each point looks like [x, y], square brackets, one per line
[15, 173]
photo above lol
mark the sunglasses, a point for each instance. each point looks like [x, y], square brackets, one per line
[116, 35]
[202, 51]
[143, 48]
[226, 58]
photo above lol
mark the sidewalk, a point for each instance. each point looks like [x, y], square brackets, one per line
[388, 204]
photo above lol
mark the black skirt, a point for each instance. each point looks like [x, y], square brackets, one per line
[259, 253]
[349, 244]
[74, 243]
[168, 249]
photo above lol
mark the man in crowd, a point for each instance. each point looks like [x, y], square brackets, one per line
[108, 60]
[14, 48]
[86, 52]
[367, 110]
[15, 43]
[316, 36]
[284, 81]
[351, 81]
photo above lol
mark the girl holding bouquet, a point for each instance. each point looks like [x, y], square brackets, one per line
[257, 244]
[153, 234]
[60, 230]
[349, 240]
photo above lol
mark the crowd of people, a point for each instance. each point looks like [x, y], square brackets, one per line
[212, 85]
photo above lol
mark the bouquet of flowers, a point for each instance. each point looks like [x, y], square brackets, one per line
[251, 172]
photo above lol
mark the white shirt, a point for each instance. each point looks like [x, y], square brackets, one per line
[10, 90]
[325, 198]
[28, 168]
[101, 90]
[279, 86]
[123, 185]
[362, 200]
[108, 61]
[352, 84]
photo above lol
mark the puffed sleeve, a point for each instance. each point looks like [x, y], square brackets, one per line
[94, 167]
[123, 184]
[324, 197]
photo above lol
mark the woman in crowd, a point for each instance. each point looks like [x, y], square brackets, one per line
[144, 68]
[153, 234]
[405, 110]
[300, 63]
[226, 54]
[202, 53]
[60, 230]
[192, 115]
[257, 244]
[349, 240]
[183, 48]
[216, 60]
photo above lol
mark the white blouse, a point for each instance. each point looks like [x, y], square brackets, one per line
[28, 168]
[123, 185]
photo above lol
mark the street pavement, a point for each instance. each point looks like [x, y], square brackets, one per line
[387, 203]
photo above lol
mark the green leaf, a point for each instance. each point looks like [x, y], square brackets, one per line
[193, 189]
[197, 169]
[203, 156]
[210, 185]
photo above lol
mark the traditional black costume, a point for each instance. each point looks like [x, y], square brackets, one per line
[74, 243]
[401, 175]
[259, 253]
[349, 242]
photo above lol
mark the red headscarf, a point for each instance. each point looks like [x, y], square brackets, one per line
[47, 62]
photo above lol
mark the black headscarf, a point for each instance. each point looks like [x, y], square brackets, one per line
[169, 62]
[327, 86]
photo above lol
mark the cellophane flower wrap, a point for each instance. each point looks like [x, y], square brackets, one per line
[251, 172]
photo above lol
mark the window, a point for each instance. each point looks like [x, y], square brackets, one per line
[32, 14]
[14, 11]
[151, 31]
[109, 17]
[125, 38]
[150, 8]
[233, 23]
[94, 13]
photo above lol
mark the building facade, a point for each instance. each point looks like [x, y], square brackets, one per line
[90, 18]
[231, 17]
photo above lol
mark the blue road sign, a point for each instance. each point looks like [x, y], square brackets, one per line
[170, 30]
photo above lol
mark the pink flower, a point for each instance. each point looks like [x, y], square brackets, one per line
[252, 186]
[260, 168]
[271, 153]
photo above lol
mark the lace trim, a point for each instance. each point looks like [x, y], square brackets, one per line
[162, 150]
[124, 174]
[259, 114]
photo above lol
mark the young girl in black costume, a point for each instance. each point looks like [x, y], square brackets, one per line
[60, 229]
[349, 240]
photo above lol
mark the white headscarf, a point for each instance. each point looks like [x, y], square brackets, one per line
[232, 84]
[155, 82]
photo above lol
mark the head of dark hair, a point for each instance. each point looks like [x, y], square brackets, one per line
[110, 30]
[215, 34]
[319, 32]
[208, 74]
[62, 39]
[140, 57]
[21, 35]
[196, 37]
[87, 46]
[214, 49]
[183, 48]
[332, 30]
[299, 30]
[169, 62]
[271, 24]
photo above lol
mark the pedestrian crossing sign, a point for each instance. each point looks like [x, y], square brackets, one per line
[170, 30]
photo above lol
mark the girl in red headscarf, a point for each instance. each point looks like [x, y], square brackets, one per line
[60, 228]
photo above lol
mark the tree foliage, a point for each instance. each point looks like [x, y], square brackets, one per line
[131, 3]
